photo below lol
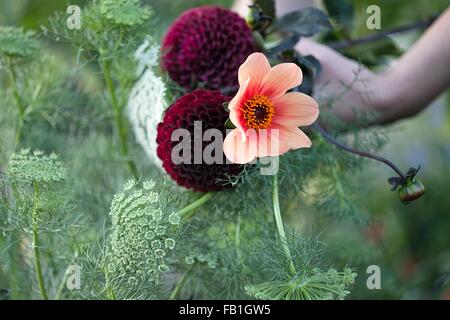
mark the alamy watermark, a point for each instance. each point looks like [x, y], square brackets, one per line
[73, 277]
[73, 21]
[374, 20]
[190, 147]
[374, 280]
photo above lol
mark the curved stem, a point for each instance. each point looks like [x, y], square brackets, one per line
[365, 154]
[121, 129]
[176, 291]
[35, 245]
[344, 44]
[280, 227]
[187, 211]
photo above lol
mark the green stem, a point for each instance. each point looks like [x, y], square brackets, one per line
[35, 245]
[188, 211]
[121, 129]
[110, 294]
[280, 227]
[18, 134]
[176, 291]
[61, 286]
[19, 104]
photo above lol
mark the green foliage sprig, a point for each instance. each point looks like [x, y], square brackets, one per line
[38, 215]
[39, 86]
[16, 45]
[123, 12]
[111, 32]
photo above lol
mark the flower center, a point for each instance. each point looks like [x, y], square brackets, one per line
[258, 112]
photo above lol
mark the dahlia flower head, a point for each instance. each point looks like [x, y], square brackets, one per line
[204, 48]
[206, 107]
[267, 117]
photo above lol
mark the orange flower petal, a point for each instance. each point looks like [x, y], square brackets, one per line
[235, 108]
[238, 151]
[280, 79]
[255, 68]
[295, 109]
[270, 144]
[294, 138]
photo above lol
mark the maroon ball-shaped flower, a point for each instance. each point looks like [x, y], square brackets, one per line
[206, 107]
[205, 46]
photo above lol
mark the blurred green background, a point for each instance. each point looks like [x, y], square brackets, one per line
[410, 243]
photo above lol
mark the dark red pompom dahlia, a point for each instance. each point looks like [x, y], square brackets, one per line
[205, 106]
[205, 47]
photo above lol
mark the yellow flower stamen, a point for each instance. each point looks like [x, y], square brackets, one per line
[258, 112]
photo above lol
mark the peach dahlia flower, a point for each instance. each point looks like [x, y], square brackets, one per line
[265, 116]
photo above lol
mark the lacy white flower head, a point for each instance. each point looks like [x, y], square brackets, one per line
[146, 55]
[30, 166]
[147, 102]
[318, 285]
[142, 234]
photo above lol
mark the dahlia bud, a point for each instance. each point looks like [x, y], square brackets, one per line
[410, 188]
[256, 19]
[253, 16]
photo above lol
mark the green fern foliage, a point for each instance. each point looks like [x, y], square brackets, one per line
[123, 12]
[16, 45]
[37, 213]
